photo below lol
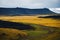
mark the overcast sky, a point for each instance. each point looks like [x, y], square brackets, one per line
[30, 3]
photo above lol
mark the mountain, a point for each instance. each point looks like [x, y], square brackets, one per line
[24, 11]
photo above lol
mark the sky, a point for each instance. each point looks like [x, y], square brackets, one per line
[32, 4]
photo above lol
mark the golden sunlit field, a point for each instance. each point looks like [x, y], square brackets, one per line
[44, 28]
[32, 19]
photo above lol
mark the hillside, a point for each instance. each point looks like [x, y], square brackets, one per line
[24, 11]
[29, 28]
[32, 19]
[12, 34]
[40, 33]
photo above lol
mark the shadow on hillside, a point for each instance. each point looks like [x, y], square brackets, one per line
[53, 16]
[14, 25]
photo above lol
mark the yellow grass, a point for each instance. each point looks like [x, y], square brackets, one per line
[11, 34]
[32, 19]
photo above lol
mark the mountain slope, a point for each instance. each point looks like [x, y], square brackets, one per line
[24, 11]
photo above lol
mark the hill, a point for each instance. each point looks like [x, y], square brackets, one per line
[24, 11]
[32, 19]
[21, 28]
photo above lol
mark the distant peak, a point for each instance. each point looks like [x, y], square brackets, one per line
[45, 8]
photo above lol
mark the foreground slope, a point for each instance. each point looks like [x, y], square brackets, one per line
[45, 28]
[41, 33]
[11, 34]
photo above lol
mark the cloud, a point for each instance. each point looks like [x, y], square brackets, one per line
[30, 3]
[57, 10]
[8, 3]
[39, 3]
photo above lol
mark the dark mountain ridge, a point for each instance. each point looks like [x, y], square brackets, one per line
[24, 11]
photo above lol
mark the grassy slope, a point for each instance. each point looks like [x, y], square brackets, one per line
[44, 33]
[40, 33]
[11, 34]
[45, 30]
[33, 20]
